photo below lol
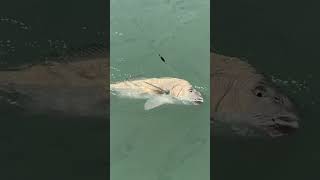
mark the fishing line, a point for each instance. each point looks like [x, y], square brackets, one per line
[154, 49]
[158, 53]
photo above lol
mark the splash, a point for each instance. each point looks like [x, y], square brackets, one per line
[296, 85]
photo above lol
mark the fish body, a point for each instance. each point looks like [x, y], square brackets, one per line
[75, 88]
[242, 97]
[158, 91]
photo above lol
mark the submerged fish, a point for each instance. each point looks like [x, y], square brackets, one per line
[240, 97]
[158, 91]
[75, 87]
[245, 100]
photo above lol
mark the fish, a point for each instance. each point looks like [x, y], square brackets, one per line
[241, 97]
[158, 91]
[244, 99]
[76, 86]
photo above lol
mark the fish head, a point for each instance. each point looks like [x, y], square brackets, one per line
[270, 110]
[188, 95]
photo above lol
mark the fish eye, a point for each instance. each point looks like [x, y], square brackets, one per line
[259, 91]
[190, 90]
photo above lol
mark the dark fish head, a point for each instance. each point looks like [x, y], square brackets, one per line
[242, 97]
[270, 110]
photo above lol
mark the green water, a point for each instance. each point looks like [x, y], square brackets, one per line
[170, 142]
[280, 38]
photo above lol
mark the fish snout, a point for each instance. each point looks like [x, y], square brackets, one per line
[291, 121]
[198, 100]
[285, 125]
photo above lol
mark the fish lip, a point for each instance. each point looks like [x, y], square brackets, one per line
[284, 129]
[198, 101]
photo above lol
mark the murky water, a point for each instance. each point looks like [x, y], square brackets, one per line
[44, 147]
[283, 46]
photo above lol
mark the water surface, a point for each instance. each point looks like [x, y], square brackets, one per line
[47, 147]
[280, 39]
[170, 142]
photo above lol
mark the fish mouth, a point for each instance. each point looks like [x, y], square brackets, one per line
[282, 126]
[198, 101]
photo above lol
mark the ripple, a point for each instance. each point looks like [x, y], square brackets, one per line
[298, 85]
[12, 21]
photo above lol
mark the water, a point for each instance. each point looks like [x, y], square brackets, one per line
[170, 141]
[44, 147]
[281, 40]
[49, 28]
[279, 37]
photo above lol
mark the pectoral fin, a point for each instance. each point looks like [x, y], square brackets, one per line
[153, 103]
